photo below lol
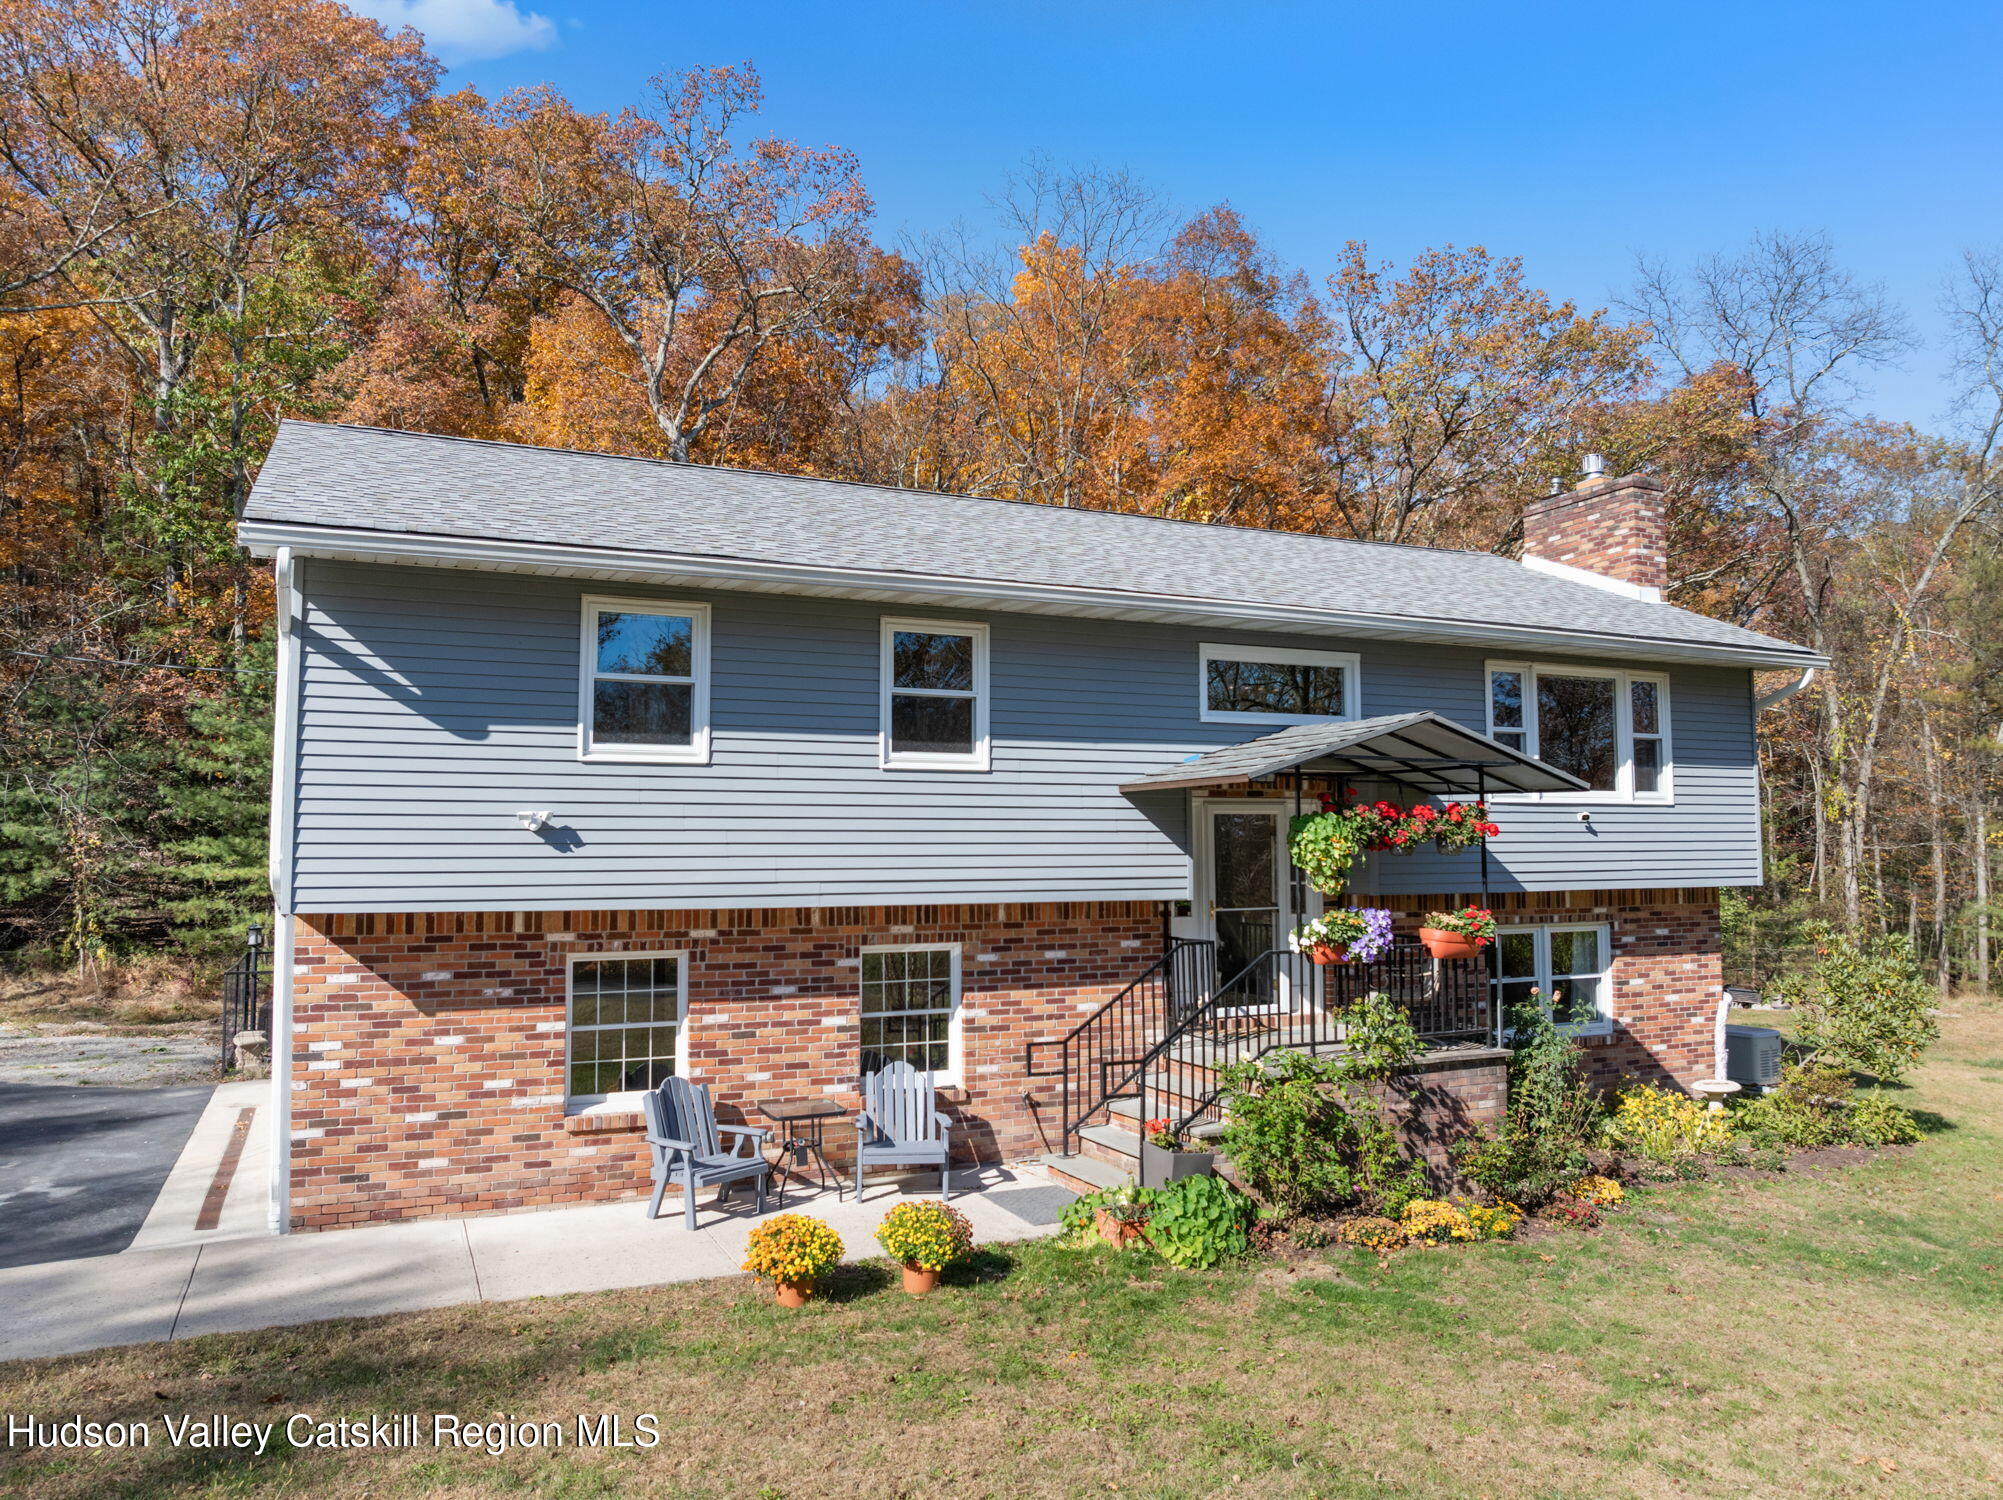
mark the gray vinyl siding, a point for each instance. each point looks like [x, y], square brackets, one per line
[436, 703]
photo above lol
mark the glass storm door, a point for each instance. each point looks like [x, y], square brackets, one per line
[1246, 875]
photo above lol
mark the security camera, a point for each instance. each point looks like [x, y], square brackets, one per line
[534, 822]
[1585, 817]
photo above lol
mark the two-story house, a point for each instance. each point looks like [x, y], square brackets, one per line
[589, 769]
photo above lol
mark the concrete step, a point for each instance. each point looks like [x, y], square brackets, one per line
[1113, 1143]
[1084, 1174]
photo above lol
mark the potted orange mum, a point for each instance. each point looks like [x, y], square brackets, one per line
[793, 1252]
[924, 1238]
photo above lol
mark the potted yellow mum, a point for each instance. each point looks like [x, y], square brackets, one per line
[924, 1238]
[793, 1252]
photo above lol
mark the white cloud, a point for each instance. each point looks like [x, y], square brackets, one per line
[465, 30]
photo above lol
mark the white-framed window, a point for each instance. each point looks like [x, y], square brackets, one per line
[1567, 963]
[643, 690]
[1276, 685]
[1609, 728]
[911, 1008]
[626, 1024]
[935, 695]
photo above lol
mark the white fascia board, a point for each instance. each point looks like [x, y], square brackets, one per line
[1592, 580]
[263, 538]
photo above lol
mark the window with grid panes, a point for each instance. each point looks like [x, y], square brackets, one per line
[908, 996]
[625, 1022]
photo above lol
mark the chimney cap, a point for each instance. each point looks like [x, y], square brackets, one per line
[1593, 467]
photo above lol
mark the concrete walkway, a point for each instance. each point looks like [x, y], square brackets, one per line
[180, 1284]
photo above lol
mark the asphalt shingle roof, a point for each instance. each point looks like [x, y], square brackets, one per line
[395, 482]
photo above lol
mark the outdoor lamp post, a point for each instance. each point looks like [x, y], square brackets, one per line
[254, 937]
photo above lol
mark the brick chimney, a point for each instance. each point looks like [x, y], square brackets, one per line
[1612, 533]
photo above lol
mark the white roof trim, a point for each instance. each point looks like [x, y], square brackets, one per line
[263, 538]
[1642, 591]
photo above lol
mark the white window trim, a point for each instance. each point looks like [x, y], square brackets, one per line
[1665, 793]
[1542, 931]
[696, 751]
[980, 758]
[956, 1057]
[623, 1101]
[1285, 656]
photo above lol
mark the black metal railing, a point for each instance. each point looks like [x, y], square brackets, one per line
[1284, 1001]
[246, 999]
[1167, 1038]
[1097, 1060]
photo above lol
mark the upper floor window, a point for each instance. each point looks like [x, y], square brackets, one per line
[935, 695]
[1277, 685]
[1608, 728]
[645, 688]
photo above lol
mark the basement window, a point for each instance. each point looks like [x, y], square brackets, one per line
[1568, 965]
[626, 1028]
[911, 1008]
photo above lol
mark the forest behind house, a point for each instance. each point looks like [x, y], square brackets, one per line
[216, 214]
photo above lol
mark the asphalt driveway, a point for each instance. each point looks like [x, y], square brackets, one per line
[80, 1167]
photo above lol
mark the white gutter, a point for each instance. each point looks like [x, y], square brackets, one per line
[1780, 695]
[284, 793]
[263, 538]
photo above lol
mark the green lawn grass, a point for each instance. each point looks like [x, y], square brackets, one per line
[1829, 1333]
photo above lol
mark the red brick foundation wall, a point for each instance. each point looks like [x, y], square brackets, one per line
[428, 1048]
[1666, 976]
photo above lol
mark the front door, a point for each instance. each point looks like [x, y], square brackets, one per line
[1243, 890]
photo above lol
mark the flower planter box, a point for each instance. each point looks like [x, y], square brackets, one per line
[1322, 953]
[1448, 944]
[1159, 1168]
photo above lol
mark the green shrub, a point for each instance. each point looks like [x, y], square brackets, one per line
[1198, 1221]
[1299, 1139]
[1863, 1005]
[1815, 1104]
[1877, 1121]
[1553, 1112]
[1807, 1108]
[1379, 1040]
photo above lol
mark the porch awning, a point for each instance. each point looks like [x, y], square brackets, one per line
[1421, 750]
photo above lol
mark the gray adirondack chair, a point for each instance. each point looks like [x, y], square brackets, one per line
[687, 1146]
[901, 1126]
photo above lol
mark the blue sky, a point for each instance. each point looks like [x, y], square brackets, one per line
[1570, 135]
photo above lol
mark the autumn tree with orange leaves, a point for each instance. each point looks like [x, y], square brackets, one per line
[213, 215]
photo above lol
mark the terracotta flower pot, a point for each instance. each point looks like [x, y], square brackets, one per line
[918, 1281]
[1115, 1231]
[1447, 944]
[794, 1293]
[1322, 953]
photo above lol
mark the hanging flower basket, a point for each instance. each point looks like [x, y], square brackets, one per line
[1355, 933]
[1458, 934]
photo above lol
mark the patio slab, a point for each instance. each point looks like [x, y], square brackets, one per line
[354, 1273]
[94, 1302]
[225, 1285]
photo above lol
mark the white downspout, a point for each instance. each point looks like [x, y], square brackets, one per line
[1779, 696]
[284, 788]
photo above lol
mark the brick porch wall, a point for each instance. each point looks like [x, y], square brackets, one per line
[429, 1048]
[1667, 970]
